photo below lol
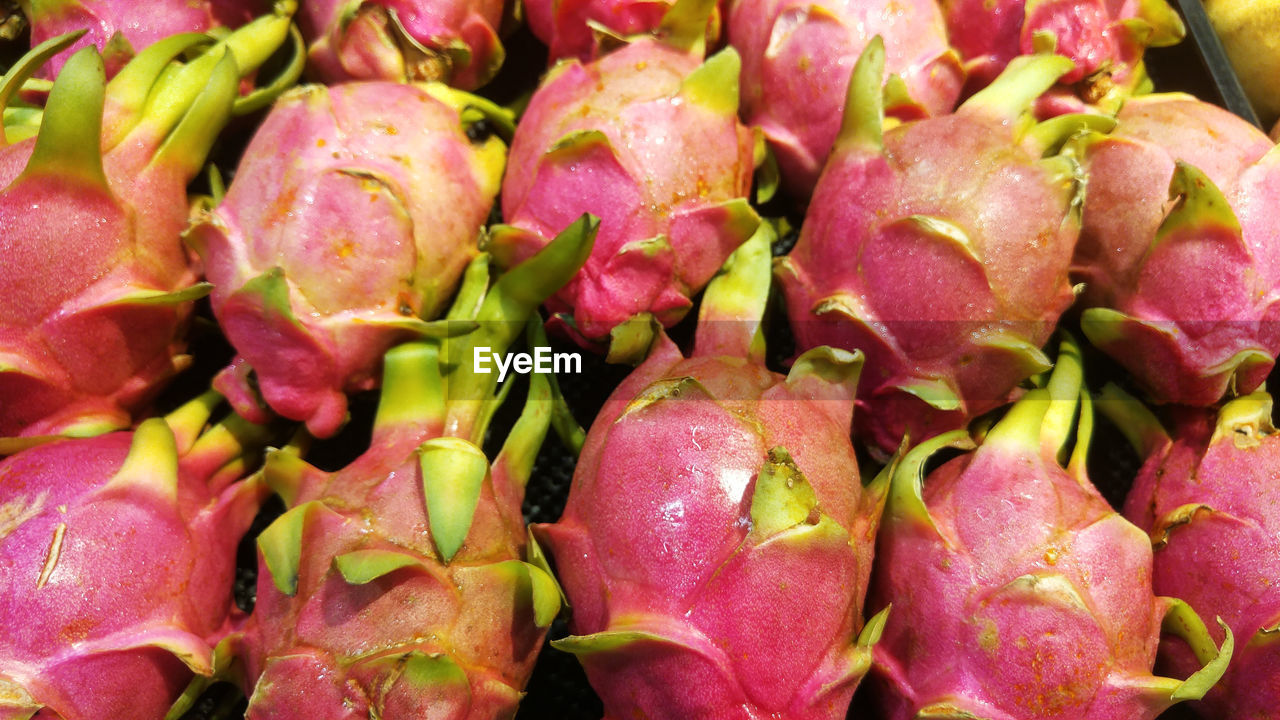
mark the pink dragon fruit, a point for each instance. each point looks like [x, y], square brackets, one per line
[1018, 593]
[96, 285]
[118, 554]
[797, 56]
[401, 586]
[1105, 40]
[948, 279]
[685, 567]
[1208, 498]
[1180, 251]
[451, 41]
[354, 212]
[584, 29]
[119, 28]
[648, 139]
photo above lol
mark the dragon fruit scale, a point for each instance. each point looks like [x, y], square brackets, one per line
[683, 567]
[1105, 40]
[96, 285]
[117, 555]
[950, 279]
[1207, 496]
[352, 216]
[119, 28]
[797, 57]
[451, 41]
[1180, 249]
[403, 586]
[648, 139]
[1018, 593]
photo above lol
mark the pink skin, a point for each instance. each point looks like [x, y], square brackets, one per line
[667, 164]
[368, 47]
[370, 215]
[1221, 559]
[663, 543]
[1018, 594]
[929, 318]
[796, 63]
[1213, 286]
[137, 577]
[140, 22]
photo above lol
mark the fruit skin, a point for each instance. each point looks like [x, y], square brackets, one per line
[451, 41]
[97, 286]
[796, 60]
[994, 565]
[1246, 28]
[120, 28]
[1105, 40]
[1180, 249]
[401, 586]
[646, 138]
[1207, 497]
[354, 212]
[751, 516]
[949, 280]
[119, 554]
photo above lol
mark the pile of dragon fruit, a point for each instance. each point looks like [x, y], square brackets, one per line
[862, 288]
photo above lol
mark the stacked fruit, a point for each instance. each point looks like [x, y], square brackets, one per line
[984, 226]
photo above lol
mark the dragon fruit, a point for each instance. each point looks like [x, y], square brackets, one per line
[585, 28]
[1105, 40]
[1180, 250]
[797, 56]
[648, 139]
[1207, 497]
[950, 280]
[401, 586]
[683, 566]
[96, 285]
[450, 41]
[1018, 593]
[353, 214]
[119, 28]
[118, 554]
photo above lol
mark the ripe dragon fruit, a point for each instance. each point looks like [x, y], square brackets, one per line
[96, 286]
[584, 29]
[401, 586]
[797, 56]
[119, 28]
[354, 212]
[1180, 250]
[1105, 40]
[683, 567]
[948, 279]
[648, 139]
[118, 554]
[1208, 497]
[451, 41]
[1018, 593]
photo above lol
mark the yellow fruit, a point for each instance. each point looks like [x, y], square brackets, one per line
[1250, 31]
